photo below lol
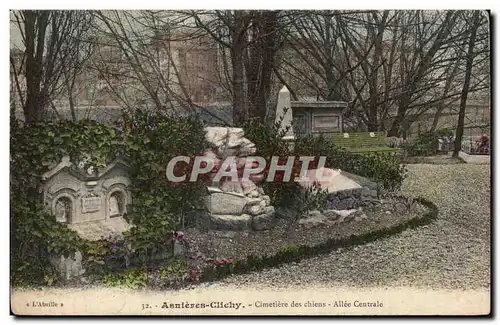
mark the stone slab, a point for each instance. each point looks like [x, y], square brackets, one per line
[332, 180]
[475, 159]
[226, 203]
[113, 227]
[363, 181]
[264, 221]
[230, 222]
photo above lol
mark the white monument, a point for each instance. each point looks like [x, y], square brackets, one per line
[284, 115]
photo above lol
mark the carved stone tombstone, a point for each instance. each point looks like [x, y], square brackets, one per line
[306, 117]
[114, 206]
[91, 202]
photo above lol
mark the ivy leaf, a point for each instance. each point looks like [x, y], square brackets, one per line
[49, 280]
[36, 233]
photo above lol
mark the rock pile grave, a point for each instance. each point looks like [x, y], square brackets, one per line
[235, 204]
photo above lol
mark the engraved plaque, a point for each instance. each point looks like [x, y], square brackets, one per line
[322, 123]
[91, 204]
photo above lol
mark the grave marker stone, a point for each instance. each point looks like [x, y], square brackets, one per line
[87, 201]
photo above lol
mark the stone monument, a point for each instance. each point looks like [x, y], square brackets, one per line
[284, 114]
[235, 204]
[89, 201]
[323, 117]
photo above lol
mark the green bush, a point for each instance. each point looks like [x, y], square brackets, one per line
[267, 139]
[385, 168]
[151, 142]
[269, 142]
[34, 236]
[426, 144]
[176, 269]
[133, 278]
[35, 149]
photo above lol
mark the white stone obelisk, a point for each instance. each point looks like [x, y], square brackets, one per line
[284, 111]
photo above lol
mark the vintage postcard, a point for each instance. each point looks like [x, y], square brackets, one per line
[250, 162]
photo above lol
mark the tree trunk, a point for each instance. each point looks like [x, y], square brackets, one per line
[465, 89]
[437, 116]
[71, 100]
[331, 82]
[35, 29]
[268, 35]
[397, 124]
[442, 106]
[237, 49]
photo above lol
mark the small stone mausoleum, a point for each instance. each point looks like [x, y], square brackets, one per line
[91, 202]
[318, 117]
[81, 197]
[305, 117]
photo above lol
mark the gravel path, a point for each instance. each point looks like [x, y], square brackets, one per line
[451, 253]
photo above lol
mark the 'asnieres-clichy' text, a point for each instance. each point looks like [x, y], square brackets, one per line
[213, 304]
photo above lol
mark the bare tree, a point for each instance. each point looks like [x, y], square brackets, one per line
[392, 66]
[251, 40]
[143, 41]
[51, 42]
[474, 26]
[311, 61]
[451, 76]
[261, 54]
[78, 53]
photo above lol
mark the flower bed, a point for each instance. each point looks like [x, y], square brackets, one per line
[480, 146]
[220, 254]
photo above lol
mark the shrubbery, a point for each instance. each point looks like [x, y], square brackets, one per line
[35, 234]
[151, 142]
[269, 143]
[148, 142]
[426, 144]
[384, 168]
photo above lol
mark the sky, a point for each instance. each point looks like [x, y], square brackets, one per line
[15, 34]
